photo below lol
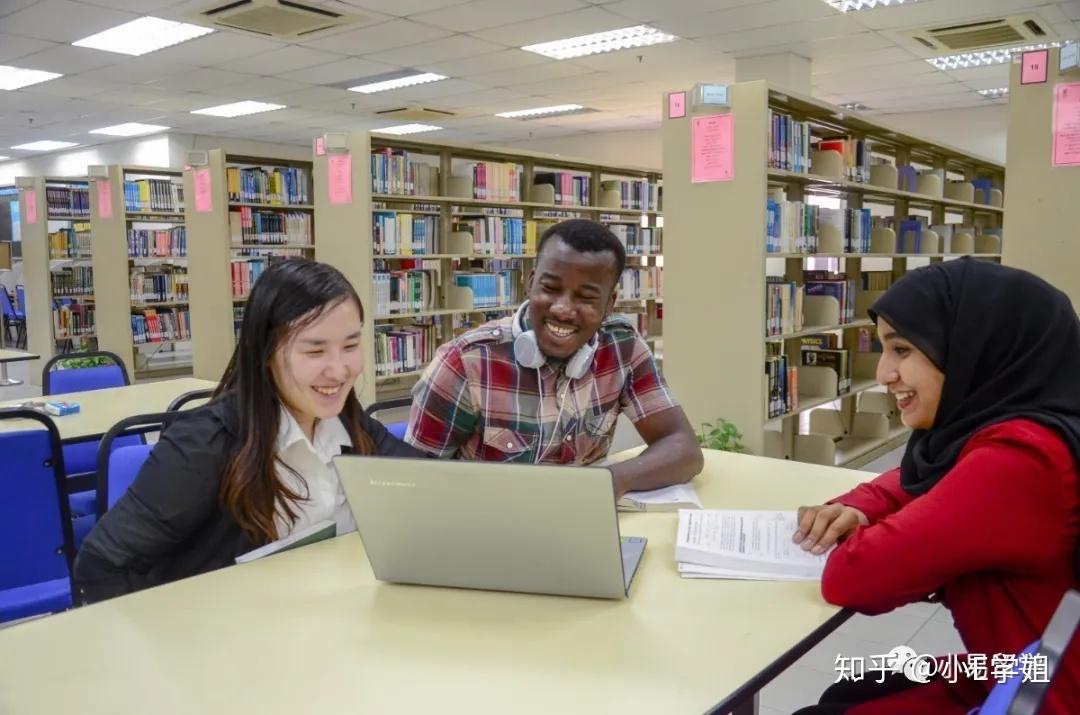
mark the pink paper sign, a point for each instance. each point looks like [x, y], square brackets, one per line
[339, 168]
[712, 148]
[320, 146]
[30, 200]
[676, 105]
[104, 197]
[204, 198]
[1066, 139]
[1033, 66]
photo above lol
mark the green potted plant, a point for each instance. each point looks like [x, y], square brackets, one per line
[721, 435]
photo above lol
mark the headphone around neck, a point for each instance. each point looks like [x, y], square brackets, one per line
[527, 351]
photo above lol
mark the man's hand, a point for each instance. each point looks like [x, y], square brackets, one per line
[822, 526]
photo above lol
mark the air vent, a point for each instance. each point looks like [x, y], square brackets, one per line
[1014, 30]
[281, 19]
[413, 114]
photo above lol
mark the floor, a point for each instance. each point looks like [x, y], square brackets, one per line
[927, 628]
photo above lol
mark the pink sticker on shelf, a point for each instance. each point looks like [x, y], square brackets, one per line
[1066, 127]
[104, 197]
[320, 146]
[712, 148]
[1033, 66]
[204, 198]
[339, 168]
[30, 200]
[676, 105]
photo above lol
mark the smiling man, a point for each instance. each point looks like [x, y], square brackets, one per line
[547, 384]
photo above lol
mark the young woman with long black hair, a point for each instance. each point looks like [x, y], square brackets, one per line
[253, 465]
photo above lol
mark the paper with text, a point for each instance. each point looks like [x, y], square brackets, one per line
[104, 197]
[339, 167]
[1066, 128]
[677, 496]
[204, 198]
[712, 148]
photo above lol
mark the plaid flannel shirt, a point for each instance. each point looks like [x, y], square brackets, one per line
[474, 401]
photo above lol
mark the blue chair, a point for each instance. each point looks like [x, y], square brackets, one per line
[1016, 697]
[182, 401]
[20, 300]
[35, 522]
[13, 319]
[117, 462]
[395, 428]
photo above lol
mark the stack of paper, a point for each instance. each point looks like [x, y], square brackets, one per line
[738, 544]
[678, 496]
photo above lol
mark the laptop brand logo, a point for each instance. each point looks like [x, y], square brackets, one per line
[388, 483]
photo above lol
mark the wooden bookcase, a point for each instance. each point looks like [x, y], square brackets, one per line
[717, 263]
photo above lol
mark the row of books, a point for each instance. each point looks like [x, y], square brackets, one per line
[280, 185]
[492, 235]
[68, 201]
[856, 225]
[157, 243]
[72, 320]
[637, 194]
[72, 280]
[166, 287]
[158, 326]
[823, 350]
[790, 226]
[244, 274]
[238, 320]
[789, 143]
[247, 225]
[836, 285]
[492, 290]
[641, 283]
[783, 306]
[570, 189]
[270, 252]
[403, 348]
[854, 155]
[492, 180]
[70, 242]
[640, 321]
[782, 384]
[404, 291]
[637, 240]
[146, 195]
[396, 171]
[403, 234]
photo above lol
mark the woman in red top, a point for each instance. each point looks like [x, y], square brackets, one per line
[984, 511]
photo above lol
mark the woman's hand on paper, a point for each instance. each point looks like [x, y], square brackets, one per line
[820, 527]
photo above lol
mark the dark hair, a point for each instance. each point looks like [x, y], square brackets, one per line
[289, 295]
[587, 236]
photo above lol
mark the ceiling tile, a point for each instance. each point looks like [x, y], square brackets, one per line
[848, 61]
[286, 59]
[133, 95]
[139, 70]
[651, 11]
[145, 6]
[221, 47]
[312, 95]
[378, 38]
[486, 97]
[1000, 73]
[551, 70]
[757, 41]
[14, 46]
[479, 64]
[1071, 9]
[448, 48]
[67, 59]
[555, 27]
[62, 20]
[340, 71]
[402, 8]
[258, 88]
[199, 80]
[776, 13]
[484, 14]
[9, 6]
[188, 101]
[648, 58]
[74, 87]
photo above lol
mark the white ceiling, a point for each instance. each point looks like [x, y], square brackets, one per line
[859, 56]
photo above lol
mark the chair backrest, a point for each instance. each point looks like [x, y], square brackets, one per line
[118, 466]
[20, 298]
[5, 303]
[55, 382]
[188, 397]
[395, 428]
[35, 520]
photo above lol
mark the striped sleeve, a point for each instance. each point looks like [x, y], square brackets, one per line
[645, 392]
[442, 417]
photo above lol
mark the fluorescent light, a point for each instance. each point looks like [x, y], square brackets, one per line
[854, 106]
[856, 5]
[17, 77]
[540, 111]
[996, 56]
[2, 158]
[45, 145]
[401, 129]
[238, 109]
[141, 36]
[130, 129]
[398, 83]
[996, 93]
[610, 41]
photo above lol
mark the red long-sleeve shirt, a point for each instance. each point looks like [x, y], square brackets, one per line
[998, 534]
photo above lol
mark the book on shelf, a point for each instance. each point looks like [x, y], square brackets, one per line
[820, 340]
[155, 326]
[782, 382]
[244, 274]
[248, 225]
[636, 194]
[70, 242]
[789, 143]
[157, 243]
[907, 178]
[403, 348]
[493, 181]
[854, 153]
[72, 280]
[404, 291]
[492, 290]
[400, 172]
[72, 320]
[146, 195]
[158, 285]
[570, 189]
[743, 544]
[319, 531]
[783, 306]
[791, 226]
[68, 201]
[493, 235]
[395, 233]
[837, 285]
[641, 283]
[279, 185]
[838, 359]
[673, 498]
[637, 240]
[876, 280]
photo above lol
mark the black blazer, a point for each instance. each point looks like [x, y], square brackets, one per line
[169, 524]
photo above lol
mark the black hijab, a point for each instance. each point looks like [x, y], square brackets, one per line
[1009, 345]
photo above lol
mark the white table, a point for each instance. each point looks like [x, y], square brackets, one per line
[311, 631]
[8, 355]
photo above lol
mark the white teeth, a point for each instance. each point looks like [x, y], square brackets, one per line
[904, 395]
[560, 331]
[328, 391]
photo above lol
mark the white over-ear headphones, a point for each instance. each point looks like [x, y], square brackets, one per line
[528, 354]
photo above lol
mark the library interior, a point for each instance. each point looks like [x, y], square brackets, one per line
[700, 314]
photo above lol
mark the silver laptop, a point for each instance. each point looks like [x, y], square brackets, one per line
[504, 527]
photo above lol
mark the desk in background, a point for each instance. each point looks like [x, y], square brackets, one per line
[8, 355]
[311, 631]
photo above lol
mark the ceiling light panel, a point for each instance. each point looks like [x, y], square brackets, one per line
[129, 129]
[996, 93]
[541, 111]
[17, 77]
[238, 109]
[142, 36]
[402, 129]
[599, 42]
[857, 5]
[409, 80]
[45, 145]
[993, 56]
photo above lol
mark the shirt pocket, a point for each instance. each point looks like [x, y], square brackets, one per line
[506, 445]
[594, 439]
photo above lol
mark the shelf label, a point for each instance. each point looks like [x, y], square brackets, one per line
[676, 105]
[1066, 127]
[712, 148]
[104, 197]
[204, 197]
[339, 168]
[320, 146]
[30, 199]
[1033, 66]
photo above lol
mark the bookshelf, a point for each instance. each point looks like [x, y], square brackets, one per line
[138, 222]
[255, 209]
[450, 232]
[775, 267]
[57, 264]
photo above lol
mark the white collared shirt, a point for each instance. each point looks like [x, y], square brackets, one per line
[322, 496]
